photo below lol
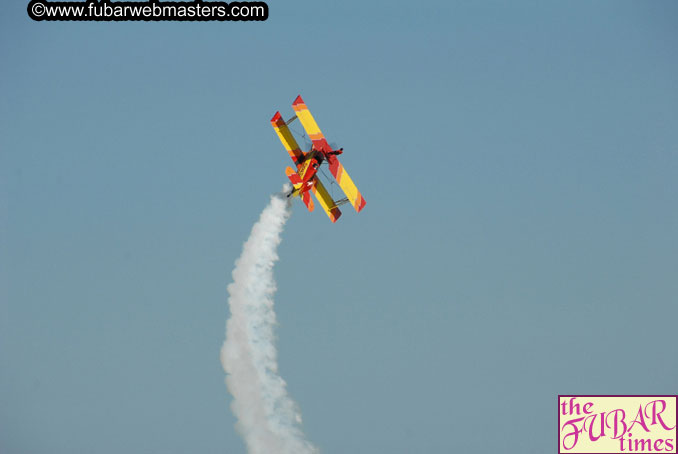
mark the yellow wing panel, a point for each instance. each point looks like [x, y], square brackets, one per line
[325, 200]
[286, 137]
[307, 120]
[347, 185]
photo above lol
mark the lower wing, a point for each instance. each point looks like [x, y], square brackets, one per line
[346, 184]
[325, 200]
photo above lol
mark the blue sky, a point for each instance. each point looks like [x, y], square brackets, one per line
[519, 163]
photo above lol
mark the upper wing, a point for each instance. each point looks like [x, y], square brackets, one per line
[320, 143]
[286, 138]
[309, 124]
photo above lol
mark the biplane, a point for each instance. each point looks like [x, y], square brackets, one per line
[305, 179]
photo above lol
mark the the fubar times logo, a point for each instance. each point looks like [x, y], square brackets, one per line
[617, 424]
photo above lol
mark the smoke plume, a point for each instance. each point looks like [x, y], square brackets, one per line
[268, 419]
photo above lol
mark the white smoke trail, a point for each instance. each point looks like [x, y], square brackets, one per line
[268, 419]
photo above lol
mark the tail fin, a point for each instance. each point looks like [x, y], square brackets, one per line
[296, 182]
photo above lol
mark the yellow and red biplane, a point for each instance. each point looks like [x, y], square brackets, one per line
[305, 179]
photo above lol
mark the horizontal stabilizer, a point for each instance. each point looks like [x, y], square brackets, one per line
[293, 176]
